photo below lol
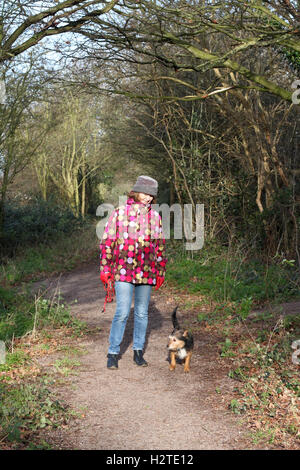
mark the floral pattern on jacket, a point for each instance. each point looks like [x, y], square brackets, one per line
[132, 248]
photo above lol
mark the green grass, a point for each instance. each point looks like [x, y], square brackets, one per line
[224, 288]
[33, 262]
[26, 408]
[29, 406]
[20, 314]
[14, 359]
[66, 366]
[230, 278]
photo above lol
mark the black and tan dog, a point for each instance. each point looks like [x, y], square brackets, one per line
[180, 345]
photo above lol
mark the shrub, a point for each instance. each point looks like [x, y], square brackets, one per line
[37, 221]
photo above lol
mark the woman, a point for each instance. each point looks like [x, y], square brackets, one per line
[133, 255]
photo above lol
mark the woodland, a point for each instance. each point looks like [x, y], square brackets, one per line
[202, 95]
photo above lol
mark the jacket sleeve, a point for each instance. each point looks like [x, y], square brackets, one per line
[160, 252]
[108, 243]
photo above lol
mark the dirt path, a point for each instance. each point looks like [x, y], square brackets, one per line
[143, 408]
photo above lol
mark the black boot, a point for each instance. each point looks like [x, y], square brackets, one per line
[112, 361]
[138, 358]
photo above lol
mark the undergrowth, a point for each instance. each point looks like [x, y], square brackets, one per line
[33, 326]
[27, 408]
[223, 288]
[228, 275]
[20, 314]
[268, 391]
[27, 402]
[34, 261]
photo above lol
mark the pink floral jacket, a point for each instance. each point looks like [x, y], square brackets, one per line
[132, 248]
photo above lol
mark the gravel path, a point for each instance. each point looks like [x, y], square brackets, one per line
[150, 408]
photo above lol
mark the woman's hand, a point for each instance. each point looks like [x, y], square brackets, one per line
[104, 277]
[159, 282]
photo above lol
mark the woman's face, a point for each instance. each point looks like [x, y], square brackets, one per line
[145, 198]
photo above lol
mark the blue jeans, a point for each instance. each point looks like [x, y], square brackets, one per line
[124, 293]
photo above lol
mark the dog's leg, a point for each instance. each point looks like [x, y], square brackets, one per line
[187, 362]
[173, 360]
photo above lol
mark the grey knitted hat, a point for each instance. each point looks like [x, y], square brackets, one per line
[147, 185]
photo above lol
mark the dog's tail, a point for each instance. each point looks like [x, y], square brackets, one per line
[174, 319]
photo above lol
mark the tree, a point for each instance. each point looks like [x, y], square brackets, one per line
[19, 134]
[71, 153]
[205, 35]
[24, 23]
[262, 140]
[236, 153]
[143, 31]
